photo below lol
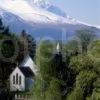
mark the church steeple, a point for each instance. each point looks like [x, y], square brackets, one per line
[58, 49]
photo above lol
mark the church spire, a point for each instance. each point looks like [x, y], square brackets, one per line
[58, 49]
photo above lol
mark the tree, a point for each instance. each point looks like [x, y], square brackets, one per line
[53, 92]
[6, 31]
[94, 53]
[97, 67]
[43, 61]
[83, 86]
[52, 64]
[7, 49]
[23, 34]
[3, 29]
[73, 47]
[1, 26]
[85, 80]
[29, 43]
[31, 46]
[38, 89]
[86, 37]
[76, 94]
[43, 58]
[94, 49]
[61, 72]
[81, 62]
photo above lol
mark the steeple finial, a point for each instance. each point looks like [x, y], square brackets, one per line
[58, 47]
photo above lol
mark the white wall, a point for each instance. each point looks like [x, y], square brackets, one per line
[15, 87]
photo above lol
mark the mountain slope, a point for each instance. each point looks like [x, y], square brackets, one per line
[23, 9]
[38, 21]
[44, 4]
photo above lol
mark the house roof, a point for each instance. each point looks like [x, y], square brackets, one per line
[25, 59]
[26, 71]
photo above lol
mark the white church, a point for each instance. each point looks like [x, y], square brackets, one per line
[21, 79]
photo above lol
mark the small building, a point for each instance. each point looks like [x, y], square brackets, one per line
[21, 79]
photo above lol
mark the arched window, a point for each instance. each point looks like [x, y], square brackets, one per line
[20, 80]
[17, 78]
[14, 79]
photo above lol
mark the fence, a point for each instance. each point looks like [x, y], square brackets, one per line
[23, 97]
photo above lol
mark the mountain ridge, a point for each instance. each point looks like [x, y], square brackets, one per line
[38, 21]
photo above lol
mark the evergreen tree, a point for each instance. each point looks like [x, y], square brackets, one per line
[31, 46]
[1, 26]
[29, 43]
[86, 37]
[6, 31]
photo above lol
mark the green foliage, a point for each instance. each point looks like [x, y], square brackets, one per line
[43, 61]
[58, 67]
[31, 46]
[76, 94]
[43, 58]
[97, 85]
[80, 72]
[85, 80]
[97, 67]
[38, 89]
[94, 49]
[76, 78]
[30, 42]
[81, 62]
[83, 85]
[7, 49]
[73, 46]
[51, 65]
[86, 37]
[12, 51]
[1, 26]
[53, 92]
[45, 49]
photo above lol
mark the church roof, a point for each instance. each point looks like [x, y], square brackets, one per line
[26, 71]
[25, 59]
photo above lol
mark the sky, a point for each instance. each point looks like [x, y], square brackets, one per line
[84, 10]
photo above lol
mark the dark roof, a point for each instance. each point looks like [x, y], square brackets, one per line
[26, 57]
[26, 71]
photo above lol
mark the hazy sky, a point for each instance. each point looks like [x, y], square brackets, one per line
[83, 10]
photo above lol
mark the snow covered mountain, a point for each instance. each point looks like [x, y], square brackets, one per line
[44, 4]
[33, 11]
[39, 18]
